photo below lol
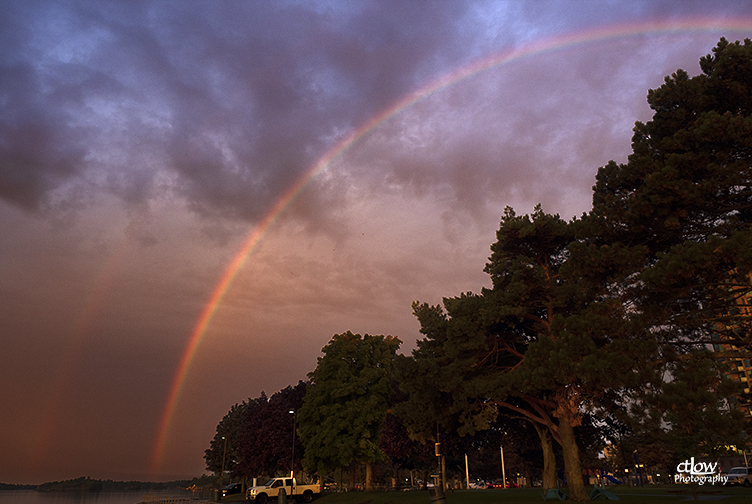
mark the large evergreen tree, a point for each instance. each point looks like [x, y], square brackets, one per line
[540, 344]
[680, 209]
[583, 312]
[679, 215]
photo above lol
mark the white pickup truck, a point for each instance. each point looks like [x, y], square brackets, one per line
[261, 494]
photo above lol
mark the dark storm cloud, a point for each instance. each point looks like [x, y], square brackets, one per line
[238, 98]
[38, 149]
[235, 99]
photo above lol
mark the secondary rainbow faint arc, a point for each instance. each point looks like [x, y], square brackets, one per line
[248, 246]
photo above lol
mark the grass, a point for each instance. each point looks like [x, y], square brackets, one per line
[647, 495]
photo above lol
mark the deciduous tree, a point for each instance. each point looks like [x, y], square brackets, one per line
[223, 448]
[266, 435]
[347, 401]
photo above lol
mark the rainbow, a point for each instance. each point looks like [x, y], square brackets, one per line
[555, 43]
[79, 330]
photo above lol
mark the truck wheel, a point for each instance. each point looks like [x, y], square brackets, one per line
[307, 496]
[746, 482]
[261, 499]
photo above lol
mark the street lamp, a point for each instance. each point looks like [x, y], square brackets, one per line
[224, 456]
[222, 474]
[292, 465]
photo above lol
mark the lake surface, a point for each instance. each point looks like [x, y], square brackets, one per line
[34, 497]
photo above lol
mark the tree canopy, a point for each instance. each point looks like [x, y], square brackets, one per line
[680, 209]
[266, 435]
[583, 313]
[347, 401]
[223, 449]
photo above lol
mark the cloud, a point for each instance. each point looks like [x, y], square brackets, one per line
[231, 103]
[237, 100]
[38, 148]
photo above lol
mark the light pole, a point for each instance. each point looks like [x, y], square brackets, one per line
[637, 465]
[292, 465]
[503, 470]
[222, 474]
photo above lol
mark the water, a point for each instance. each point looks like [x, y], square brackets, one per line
[34, 497]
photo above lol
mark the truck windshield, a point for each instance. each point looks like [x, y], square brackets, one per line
[269, 483]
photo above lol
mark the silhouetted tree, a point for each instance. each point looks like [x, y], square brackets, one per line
[223, 448]
[266, 434]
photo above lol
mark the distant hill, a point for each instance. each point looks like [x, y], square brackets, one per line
[86, 484]
[10, 486]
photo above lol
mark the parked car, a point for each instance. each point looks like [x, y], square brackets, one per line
[264, 493]
[232, 488]
[500, 484]
[740, 476]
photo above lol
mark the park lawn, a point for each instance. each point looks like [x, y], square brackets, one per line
[234, 498]
[647, 495]
[629, 495]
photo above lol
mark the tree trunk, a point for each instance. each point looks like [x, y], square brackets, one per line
[443, 474]
[549, 459]
[572, 467]
[352, 476]
[369, 476]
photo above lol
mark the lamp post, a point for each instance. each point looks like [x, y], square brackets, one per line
[503, 469]
[637, 466]
[292, 465]
[222, 474]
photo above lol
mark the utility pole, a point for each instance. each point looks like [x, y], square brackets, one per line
[222, 474]
[503, 470]
[292, 465]
[467, 473]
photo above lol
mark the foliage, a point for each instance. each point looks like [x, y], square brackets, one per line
[223, 448]
[259, 436]
[403, 452]
[87, 484]
[680, 214]
[538, 345]
[686, 415]
[680, 209]
[266, 434]
[14, 486]
[347, 401]
[691, 410]
[583, 313]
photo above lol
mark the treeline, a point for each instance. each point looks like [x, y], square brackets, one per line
[617, 328]
[87, 484]
[10, 486]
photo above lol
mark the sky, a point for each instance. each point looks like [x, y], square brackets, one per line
[196, 196]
